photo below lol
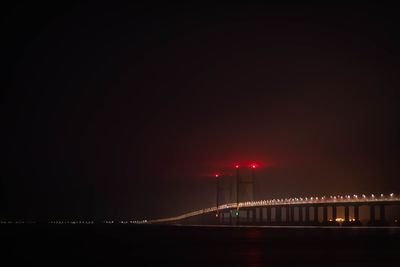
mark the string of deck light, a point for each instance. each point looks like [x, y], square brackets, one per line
[287, 201]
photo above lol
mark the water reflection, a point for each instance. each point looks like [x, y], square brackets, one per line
[253, 252]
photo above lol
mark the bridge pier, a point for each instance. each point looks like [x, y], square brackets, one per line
[300, 208]
[356, 215]
[334, 216]
[278, 215]
[316, 215]
[382, 212]
[254, 215]
[382, 220]
[260, 214]
[307, 219]
[268, 215]
[325, 214]
[371, 215]
[291, 214]
[346, 214]
[287, 215]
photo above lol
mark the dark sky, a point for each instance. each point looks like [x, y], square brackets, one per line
[127, 111]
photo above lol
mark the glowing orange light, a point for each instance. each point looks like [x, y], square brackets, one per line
[216, 215]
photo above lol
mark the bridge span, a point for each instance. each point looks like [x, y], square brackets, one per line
[293, 211]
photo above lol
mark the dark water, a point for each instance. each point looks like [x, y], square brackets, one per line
[140, 245]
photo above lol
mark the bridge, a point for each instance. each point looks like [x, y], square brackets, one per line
[287, 211]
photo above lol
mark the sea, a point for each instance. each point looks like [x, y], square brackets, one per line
[177, 245]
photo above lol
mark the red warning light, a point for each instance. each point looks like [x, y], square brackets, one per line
[253, 166]
[216, 175]
[237, 166]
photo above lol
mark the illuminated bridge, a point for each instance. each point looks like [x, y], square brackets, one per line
[288, 211]
[293, 211]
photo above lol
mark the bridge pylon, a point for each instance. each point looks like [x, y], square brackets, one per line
[244, 186]
[224, 189]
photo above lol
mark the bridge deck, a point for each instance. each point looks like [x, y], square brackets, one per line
[332, 201]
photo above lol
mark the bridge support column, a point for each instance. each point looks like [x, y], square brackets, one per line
[334, 214]
[278, 214]
[269, 215]
[307, 214]
[230, 217]
[325, 214]
[316, 215]
[291, 214]
[254, 212]
[371, 214]
[247, 216]
[356, 214]
[382, 212]
[287, 214]
[260, 215]
[300, 208]
[382, 220]
[346, 214]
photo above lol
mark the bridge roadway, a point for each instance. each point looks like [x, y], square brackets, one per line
[229, 213]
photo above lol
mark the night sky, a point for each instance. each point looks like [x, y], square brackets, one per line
[126, 112]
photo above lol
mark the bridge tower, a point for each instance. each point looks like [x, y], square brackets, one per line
[245, 185]
[224, 188]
